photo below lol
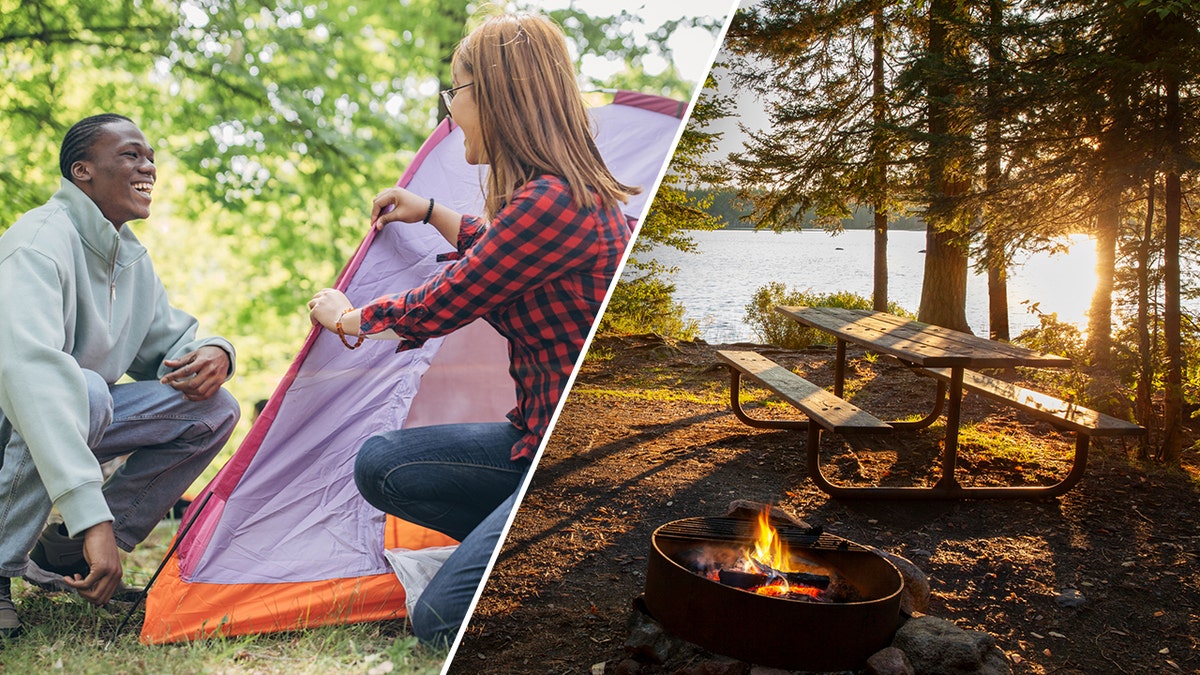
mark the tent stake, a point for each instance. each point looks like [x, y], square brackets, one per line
[145, 591]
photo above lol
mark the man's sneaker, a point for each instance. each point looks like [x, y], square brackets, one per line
[55, 556]
[49, 581]
[10, 623]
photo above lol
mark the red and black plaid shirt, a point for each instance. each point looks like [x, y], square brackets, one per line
[538, 273]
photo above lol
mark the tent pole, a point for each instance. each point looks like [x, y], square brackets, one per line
[174, 545]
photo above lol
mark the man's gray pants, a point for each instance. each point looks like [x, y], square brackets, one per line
[169, 439]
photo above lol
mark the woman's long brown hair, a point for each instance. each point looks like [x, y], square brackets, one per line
[531, 115]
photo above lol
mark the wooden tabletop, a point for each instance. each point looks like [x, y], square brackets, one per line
[916, 342]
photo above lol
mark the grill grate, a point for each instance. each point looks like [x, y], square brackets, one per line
[740, 530]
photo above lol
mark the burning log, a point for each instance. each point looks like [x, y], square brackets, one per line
[748, 580]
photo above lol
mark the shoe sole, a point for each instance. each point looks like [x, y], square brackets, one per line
[9, 632]
[45, 580]
[49, 581]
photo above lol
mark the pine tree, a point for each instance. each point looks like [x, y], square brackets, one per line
[821, 70]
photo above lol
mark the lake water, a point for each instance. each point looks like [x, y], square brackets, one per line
[715, 285]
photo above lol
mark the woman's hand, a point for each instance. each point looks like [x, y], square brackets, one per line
[399, 204]
[396, 203]
[328, 307]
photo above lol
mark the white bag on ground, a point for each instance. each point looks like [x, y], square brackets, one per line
[416, 568]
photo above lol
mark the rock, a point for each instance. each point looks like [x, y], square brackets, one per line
[889, 661]
[915, 599]
[1069, 597]
[628, 667]
[937, 647]
[647, 641]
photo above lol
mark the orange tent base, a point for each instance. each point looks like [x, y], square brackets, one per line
[177, 610]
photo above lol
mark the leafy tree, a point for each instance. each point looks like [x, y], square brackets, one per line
[937, 80]
[1177, 57]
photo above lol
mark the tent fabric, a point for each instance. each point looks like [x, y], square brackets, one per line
[285, 541]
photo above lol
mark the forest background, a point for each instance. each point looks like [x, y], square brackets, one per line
[1002, 125]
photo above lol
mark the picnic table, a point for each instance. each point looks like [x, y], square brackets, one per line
[948, 356]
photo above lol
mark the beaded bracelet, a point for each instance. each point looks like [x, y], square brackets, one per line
[429, 213]
[342, 334]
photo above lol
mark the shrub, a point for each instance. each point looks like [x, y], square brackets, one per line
[1052, 336]
[773, 328]
[645, 306]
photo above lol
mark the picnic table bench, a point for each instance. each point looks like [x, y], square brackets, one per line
[938, 352]
[825, 409]
[1066, 416]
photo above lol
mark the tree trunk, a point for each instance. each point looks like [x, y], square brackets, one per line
[1172, 449]
[1108, 222]
[944, 285]
[1143, 406]
[879, 292]
[997, 275]
[997, 260]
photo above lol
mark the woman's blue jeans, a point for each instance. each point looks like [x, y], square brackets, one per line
[457, 479]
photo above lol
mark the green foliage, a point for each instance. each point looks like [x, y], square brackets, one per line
[644, 305]
[773, 328]
[1109, 391]
[1165, 8]
[1052, 336]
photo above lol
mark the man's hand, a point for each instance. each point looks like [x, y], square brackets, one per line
[199, 374]
[104, 561]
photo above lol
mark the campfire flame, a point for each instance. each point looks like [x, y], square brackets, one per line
[769, 549]
[771, 556]
[764, 565]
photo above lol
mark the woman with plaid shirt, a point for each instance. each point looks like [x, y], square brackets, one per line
[536, 268]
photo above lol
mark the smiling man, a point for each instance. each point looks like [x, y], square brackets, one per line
[81, 307]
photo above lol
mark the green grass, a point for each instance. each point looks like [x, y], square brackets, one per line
[1024, 448]
[65, 634]
[664, 395]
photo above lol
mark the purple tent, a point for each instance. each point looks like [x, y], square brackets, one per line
[284, 541]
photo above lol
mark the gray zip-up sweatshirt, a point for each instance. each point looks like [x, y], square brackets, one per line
[77, 293]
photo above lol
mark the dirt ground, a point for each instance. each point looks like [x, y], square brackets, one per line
[647, 437]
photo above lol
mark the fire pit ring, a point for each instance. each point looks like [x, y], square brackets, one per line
[765, 630]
